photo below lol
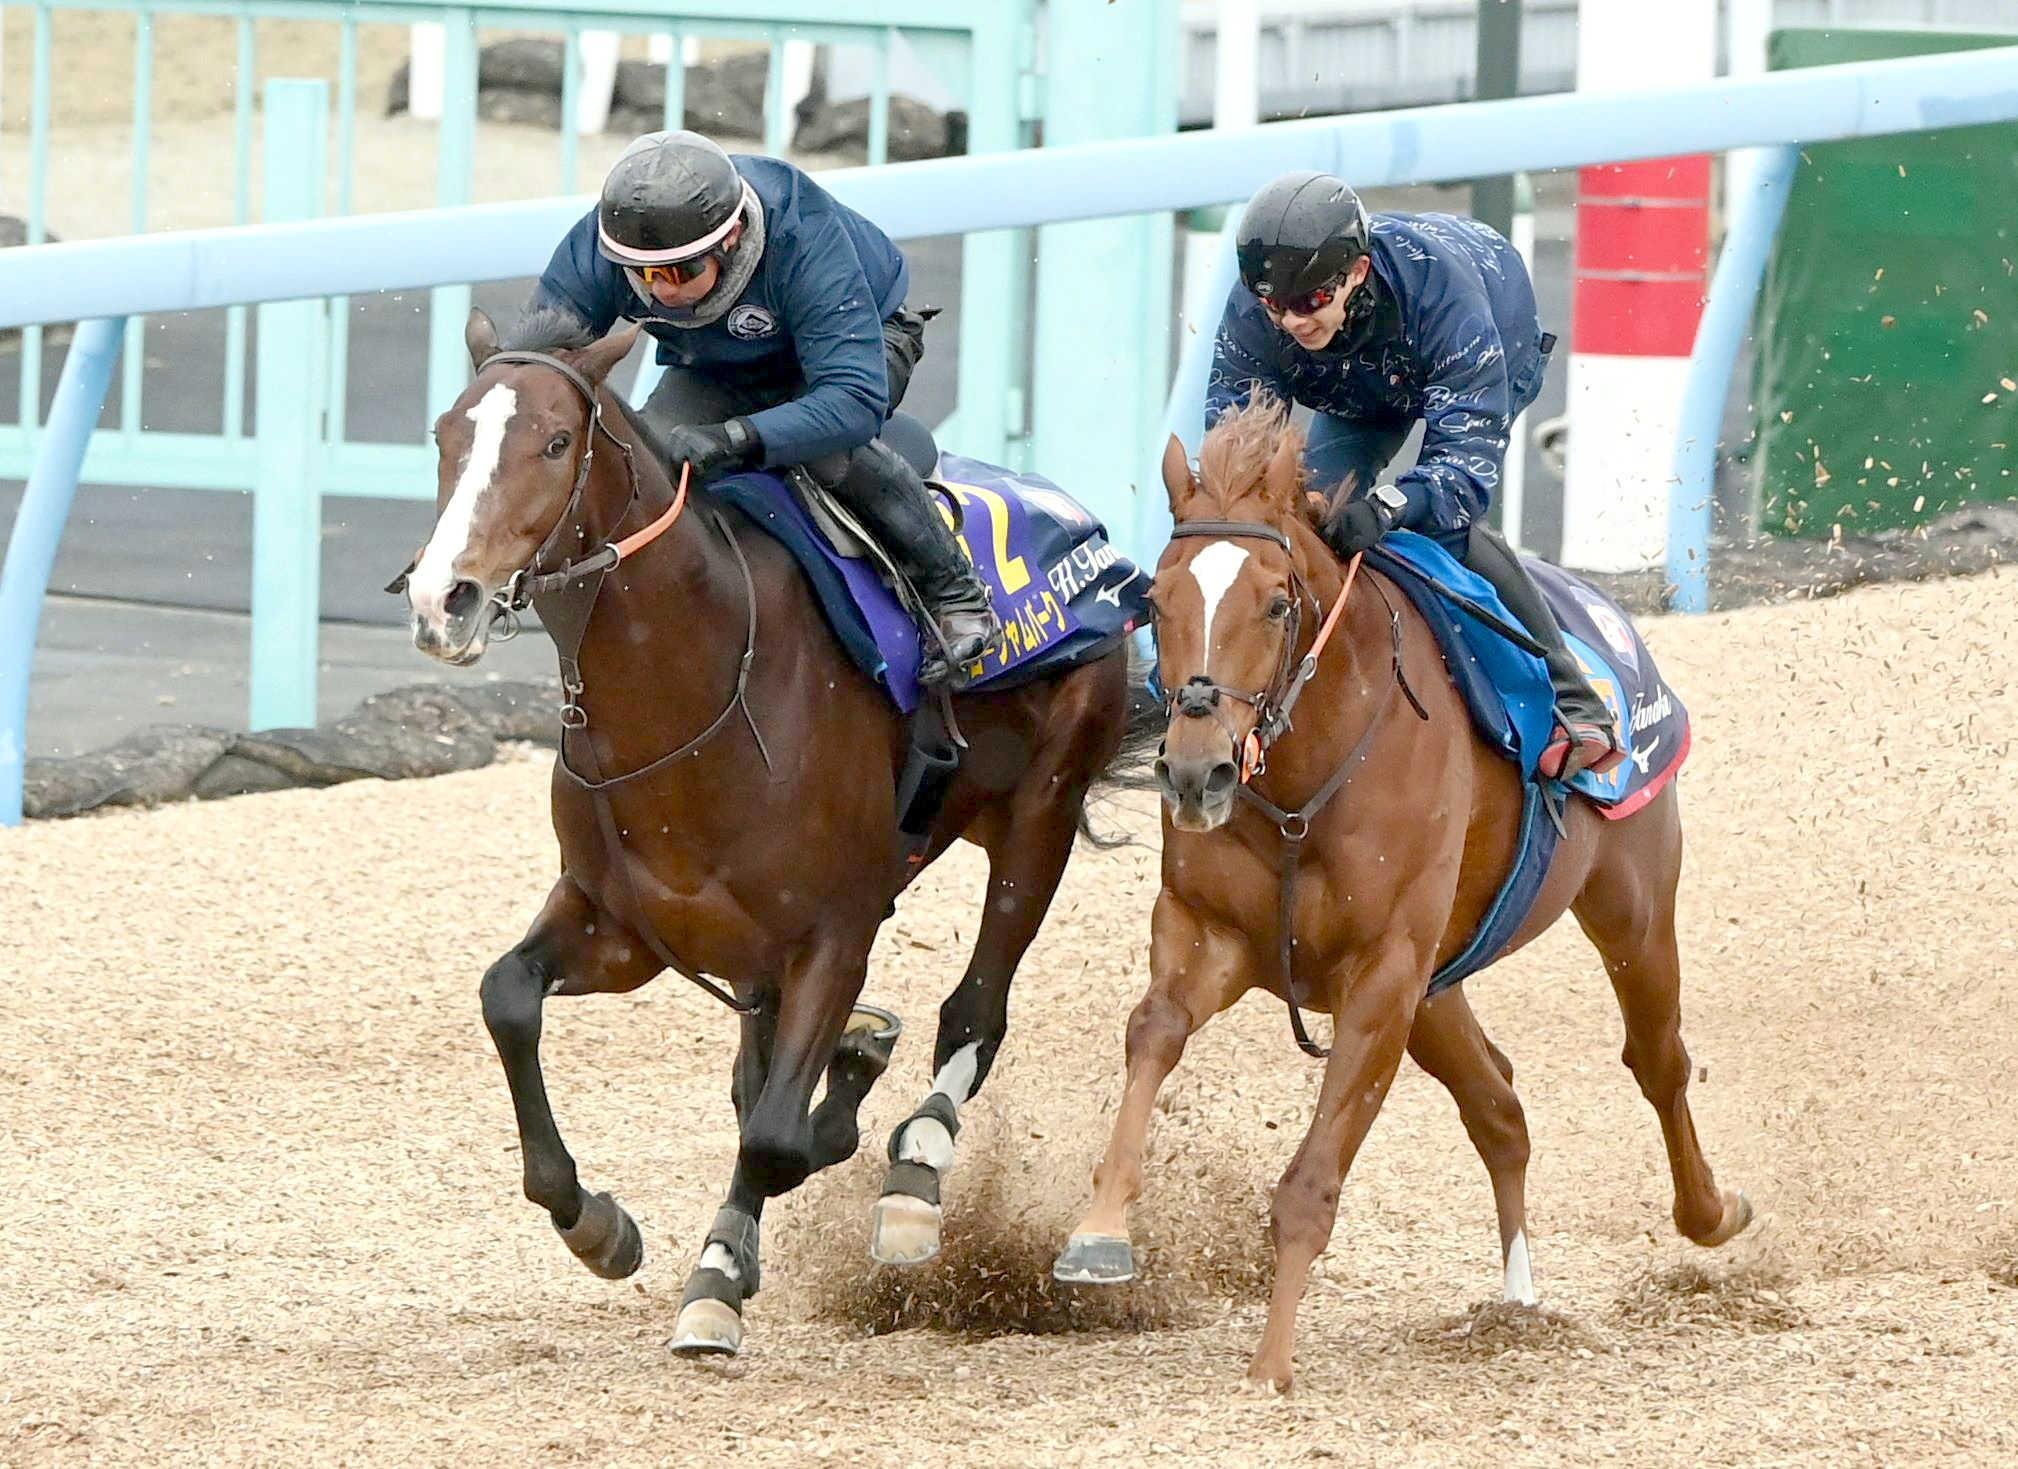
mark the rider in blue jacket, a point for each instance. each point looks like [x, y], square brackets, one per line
[1374, 323]
[780, 319]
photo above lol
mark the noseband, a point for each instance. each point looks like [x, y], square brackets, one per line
[1199, 696]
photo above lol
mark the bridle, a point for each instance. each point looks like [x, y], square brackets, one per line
[528, 581]
[1199, 696]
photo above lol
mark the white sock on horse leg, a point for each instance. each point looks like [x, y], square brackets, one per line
[1520, 1285]
[926, 1140]
[717, 1257]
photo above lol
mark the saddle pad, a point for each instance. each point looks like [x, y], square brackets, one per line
[1507, 689]
[1512, 704]
[1064, 594]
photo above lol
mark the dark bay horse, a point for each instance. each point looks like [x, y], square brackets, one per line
[725, 801]
[1396, 871]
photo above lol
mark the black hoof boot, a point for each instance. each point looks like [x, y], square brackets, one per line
[605, 1238]
[710, 1323]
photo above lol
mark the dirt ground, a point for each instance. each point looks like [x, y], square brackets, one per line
[263, 1196]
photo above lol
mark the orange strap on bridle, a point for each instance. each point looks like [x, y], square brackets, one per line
[658, 527]
[1331, 620]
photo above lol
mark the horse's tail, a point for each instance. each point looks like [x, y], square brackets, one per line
[1127, 769]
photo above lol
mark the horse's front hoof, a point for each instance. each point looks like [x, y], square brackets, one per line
[1270, 1379]
[904, 1230]
[1737, 1217]
[707, 1328]
[1095, 1259]
[605, 1238]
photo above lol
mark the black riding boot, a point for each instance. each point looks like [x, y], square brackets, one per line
[1587, 738]
[885, 493]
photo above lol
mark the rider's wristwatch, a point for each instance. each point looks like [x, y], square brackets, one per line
[1391, 500]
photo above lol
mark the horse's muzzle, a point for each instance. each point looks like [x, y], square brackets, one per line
[457, 630]
[1197, 789]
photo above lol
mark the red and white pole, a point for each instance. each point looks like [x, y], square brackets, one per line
[1642, 242]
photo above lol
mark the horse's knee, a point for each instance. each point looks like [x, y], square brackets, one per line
[776, 1153]
[1157, 1030]
[512, 992]
[774, 1163]
[971, 1016]
[1660, 1065]
[1305, 1208]
[1499, 1130]
[837, 1136]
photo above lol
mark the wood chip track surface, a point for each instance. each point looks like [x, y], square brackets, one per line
[262, 1186]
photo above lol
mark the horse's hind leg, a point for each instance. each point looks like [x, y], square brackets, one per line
[1027, 855]
[1627, 909]
[566, 950]
[1447, 1042]
[867, 1041]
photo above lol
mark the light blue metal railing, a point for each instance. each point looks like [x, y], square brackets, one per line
[199, 269]
[988, 52]
[1720, 336]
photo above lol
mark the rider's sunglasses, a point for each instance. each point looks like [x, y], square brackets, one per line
[679, 273]
[1308, 304]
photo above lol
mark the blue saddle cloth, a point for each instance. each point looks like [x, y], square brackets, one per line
[1512, 705]
[1065, 595]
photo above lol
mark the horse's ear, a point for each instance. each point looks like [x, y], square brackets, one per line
[599, 361]
[1178, 479]
[1283, 481]
[479, 334]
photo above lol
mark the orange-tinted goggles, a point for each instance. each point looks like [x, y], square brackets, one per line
[679, 273]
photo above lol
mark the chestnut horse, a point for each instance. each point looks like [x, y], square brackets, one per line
[1407, 824]
[725, 801]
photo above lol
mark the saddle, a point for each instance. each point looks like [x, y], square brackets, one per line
[1066, 596]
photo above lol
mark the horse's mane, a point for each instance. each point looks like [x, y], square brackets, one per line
[648, 434]
[547, 328]
[1235, 455]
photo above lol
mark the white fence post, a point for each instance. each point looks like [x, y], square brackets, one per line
[599, 81]
[423, 75]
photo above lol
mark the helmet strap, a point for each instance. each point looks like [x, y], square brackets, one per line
[1362, 308]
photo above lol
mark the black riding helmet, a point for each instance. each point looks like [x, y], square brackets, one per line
[1303, 231]
[670, 197]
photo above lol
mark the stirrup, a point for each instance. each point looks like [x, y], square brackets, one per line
[1579, 745]
[951, 657]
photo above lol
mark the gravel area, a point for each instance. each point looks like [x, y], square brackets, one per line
[264, 1203]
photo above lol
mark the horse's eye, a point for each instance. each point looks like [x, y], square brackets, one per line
[1279, 608]
[558, 445]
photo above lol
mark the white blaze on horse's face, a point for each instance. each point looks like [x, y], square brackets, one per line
[1215, 569]
[434, 576]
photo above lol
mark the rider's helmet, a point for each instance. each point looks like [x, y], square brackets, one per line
[671, 197]
[1299, 234]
